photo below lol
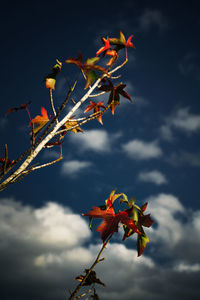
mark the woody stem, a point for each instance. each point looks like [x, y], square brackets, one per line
[97, 260]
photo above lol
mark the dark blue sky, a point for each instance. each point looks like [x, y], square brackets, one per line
[149, 149]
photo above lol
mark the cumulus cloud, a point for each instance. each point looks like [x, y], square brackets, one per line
[139, 150]
[152, 18]
[185, 158]
[154, 176]
[189, 65]
[182, 119]
[182, 267]
[44, 249]
[72, 168]
[177, 229]
[51, 226]
[95, 140]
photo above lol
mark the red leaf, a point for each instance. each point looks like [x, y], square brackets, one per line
[96, 107]
[105, 47]
[22, 106]
[146, 220]
[114, 57]
[115, 92]
[6, 163]
[111, 221]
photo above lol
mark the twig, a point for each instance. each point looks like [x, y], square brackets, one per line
[119, 67]
[28, 151]
[6, 158]
[47, 164]
[52, 104]
[97, 95]
[97, 260]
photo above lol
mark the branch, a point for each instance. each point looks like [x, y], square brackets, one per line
[52, 105]
[97, 260]
[50, 132]
[42, 141]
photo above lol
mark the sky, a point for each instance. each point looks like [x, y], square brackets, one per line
[148, 149]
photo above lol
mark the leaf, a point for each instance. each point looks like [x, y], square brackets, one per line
[111, 221]
[136, 214]
[70, 123]
[114, 57]
[50, 79]
[105, 47]
[121, 42]
[145, 220]
[141, 243]
[88, 68]
[115, 92]
[124, 199]
[50, 83]
[75, 61]
[95, 296]
[91, 77]
[39, 121]
[96, 107]
[92, 278]
[22, 106]
[6, 163]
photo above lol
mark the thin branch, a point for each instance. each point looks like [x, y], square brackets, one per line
[97, 260]
[84, 294]
[52, 104]
[119, 67]
[47, 164]
[97, 95]
[6, 158]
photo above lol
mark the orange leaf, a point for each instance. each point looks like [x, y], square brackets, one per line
[40, 121]
[50, 83]
[105, 47]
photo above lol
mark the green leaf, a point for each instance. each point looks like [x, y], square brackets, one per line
[92, 61]
[141, 243]
[112, 193]
[91, 76]
[124, 199]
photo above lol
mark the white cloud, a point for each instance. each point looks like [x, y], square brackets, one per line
[181, 120]
[178, 231]
[95, 140]
[182, 267]
[152, 18]
[74, 167]
[52, 225]
[153, 177]
[138, 149]
[186, 121]
[166, 132]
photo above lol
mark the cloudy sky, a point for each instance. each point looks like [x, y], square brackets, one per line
[149, 149]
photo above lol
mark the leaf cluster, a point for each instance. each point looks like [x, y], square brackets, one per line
[133, 219]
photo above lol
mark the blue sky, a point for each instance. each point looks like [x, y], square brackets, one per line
[149, 149]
